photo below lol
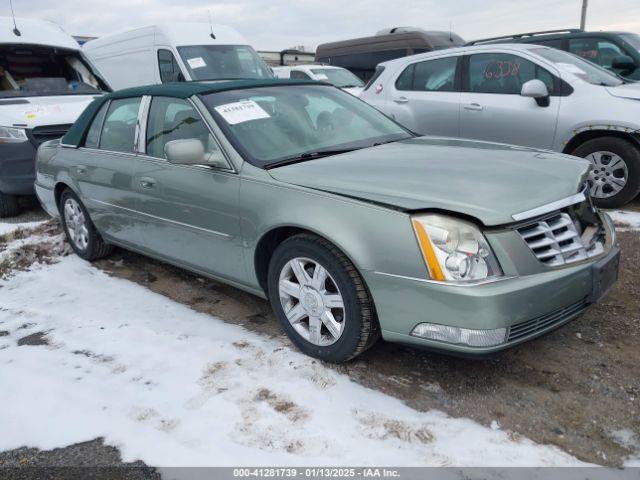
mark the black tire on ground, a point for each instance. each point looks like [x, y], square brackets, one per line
[8, 205]
[361, 329]
[630, 153]
[96, 247]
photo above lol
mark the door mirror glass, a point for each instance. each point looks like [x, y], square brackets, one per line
[623, 62]
[191, 151]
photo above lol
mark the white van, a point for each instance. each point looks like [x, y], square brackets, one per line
[337, 76]
[173, 53]
[45, 84]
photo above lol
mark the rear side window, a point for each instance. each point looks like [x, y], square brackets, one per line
[93, 135]
[169, 68]
[504, 73]
[176, 119]
[119, 129]
[431, 76]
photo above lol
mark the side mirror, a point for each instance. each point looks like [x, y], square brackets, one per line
[185, 152]
[537, 90]
[191, 152]
[623, 62]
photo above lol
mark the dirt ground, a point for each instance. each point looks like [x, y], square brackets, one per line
[577, 388]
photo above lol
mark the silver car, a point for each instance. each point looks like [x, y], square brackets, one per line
[526, 95]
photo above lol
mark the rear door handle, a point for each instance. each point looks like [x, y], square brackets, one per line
[147, 182]
[473, 106]
[401, 100]
[81, 169]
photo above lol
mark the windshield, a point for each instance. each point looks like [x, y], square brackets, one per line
[632, 39]
[272, 124]
[339, 77]
[28, 71]
[587, 71]
[220, 62]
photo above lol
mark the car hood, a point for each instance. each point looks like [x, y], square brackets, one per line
[33, 112]
[627, 90]
[355, 91]
[487, 181]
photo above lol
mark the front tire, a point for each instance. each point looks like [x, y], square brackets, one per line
[80, 230]
[321, 300]
[8, 205]
[615, 177]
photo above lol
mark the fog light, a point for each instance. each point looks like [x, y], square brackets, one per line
[460, 336]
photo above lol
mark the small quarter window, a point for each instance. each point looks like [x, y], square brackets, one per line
[93, 135]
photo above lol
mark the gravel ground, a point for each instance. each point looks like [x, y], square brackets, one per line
[576, 388]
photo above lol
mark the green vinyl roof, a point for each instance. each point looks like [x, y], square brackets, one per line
[76, 133]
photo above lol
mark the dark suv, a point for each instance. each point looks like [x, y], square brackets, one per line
[615, 51]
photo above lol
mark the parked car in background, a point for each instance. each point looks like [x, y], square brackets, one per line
[336, 76]
[361, 55]
[286, 57]
[45, 83]
[348, 223]
[525, 95]
[175, 52]
[618, 52]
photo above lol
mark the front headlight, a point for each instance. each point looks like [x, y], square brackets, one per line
[455, 251]
[12, 135]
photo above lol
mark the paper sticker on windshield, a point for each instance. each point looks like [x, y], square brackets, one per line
[196, 62]
[571, 68]
[321, 76]
[239, 112]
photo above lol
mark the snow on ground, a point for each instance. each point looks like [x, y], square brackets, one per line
[7, 227]
[625, 220]
[174, 387]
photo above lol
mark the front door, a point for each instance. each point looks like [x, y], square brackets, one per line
[492, 108]
[190, 212]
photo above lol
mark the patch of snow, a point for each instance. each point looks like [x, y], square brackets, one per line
[7, 227]
[628, 439]
[625, 220]
[173, 387]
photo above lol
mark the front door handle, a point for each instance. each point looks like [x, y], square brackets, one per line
[401, 100]
[81, 169]
[147, 182]
[473, 106]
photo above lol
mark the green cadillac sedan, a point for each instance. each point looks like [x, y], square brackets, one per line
[352, 226]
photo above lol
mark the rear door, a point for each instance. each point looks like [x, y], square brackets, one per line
[105, 169]
[190, 212]
[493, 109]
[425, 97]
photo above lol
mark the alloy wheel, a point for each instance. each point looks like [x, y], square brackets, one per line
[311, 301]
[76, 224]
[608, 176]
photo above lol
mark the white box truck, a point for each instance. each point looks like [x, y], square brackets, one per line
[45, 84]
[174, 53]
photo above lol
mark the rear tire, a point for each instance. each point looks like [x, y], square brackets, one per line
[356, 326]
[8, 205]
[80, 230]
[602, 150]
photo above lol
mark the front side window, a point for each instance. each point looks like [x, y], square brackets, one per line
[430, 76]
[176, 119]
[297, 74]
[504, 73]
[272, 124]
[169, 68]
[119, 129]
[599, 51]
[93, 134]
[223, 62]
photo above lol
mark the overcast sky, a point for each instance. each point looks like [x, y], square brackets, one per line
[277, 24]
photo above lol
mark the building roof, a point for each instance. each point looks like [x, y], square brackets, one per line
[183, 90]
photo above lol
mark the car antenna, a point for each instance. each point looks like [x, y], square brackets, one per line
[211, 26]
[15, 26]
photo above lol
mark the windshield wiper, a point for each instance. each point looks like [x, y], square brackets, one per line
[303, 157]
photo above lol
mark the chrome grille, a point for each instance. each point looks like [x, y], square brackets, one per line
[523, 329]
[562, 239]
